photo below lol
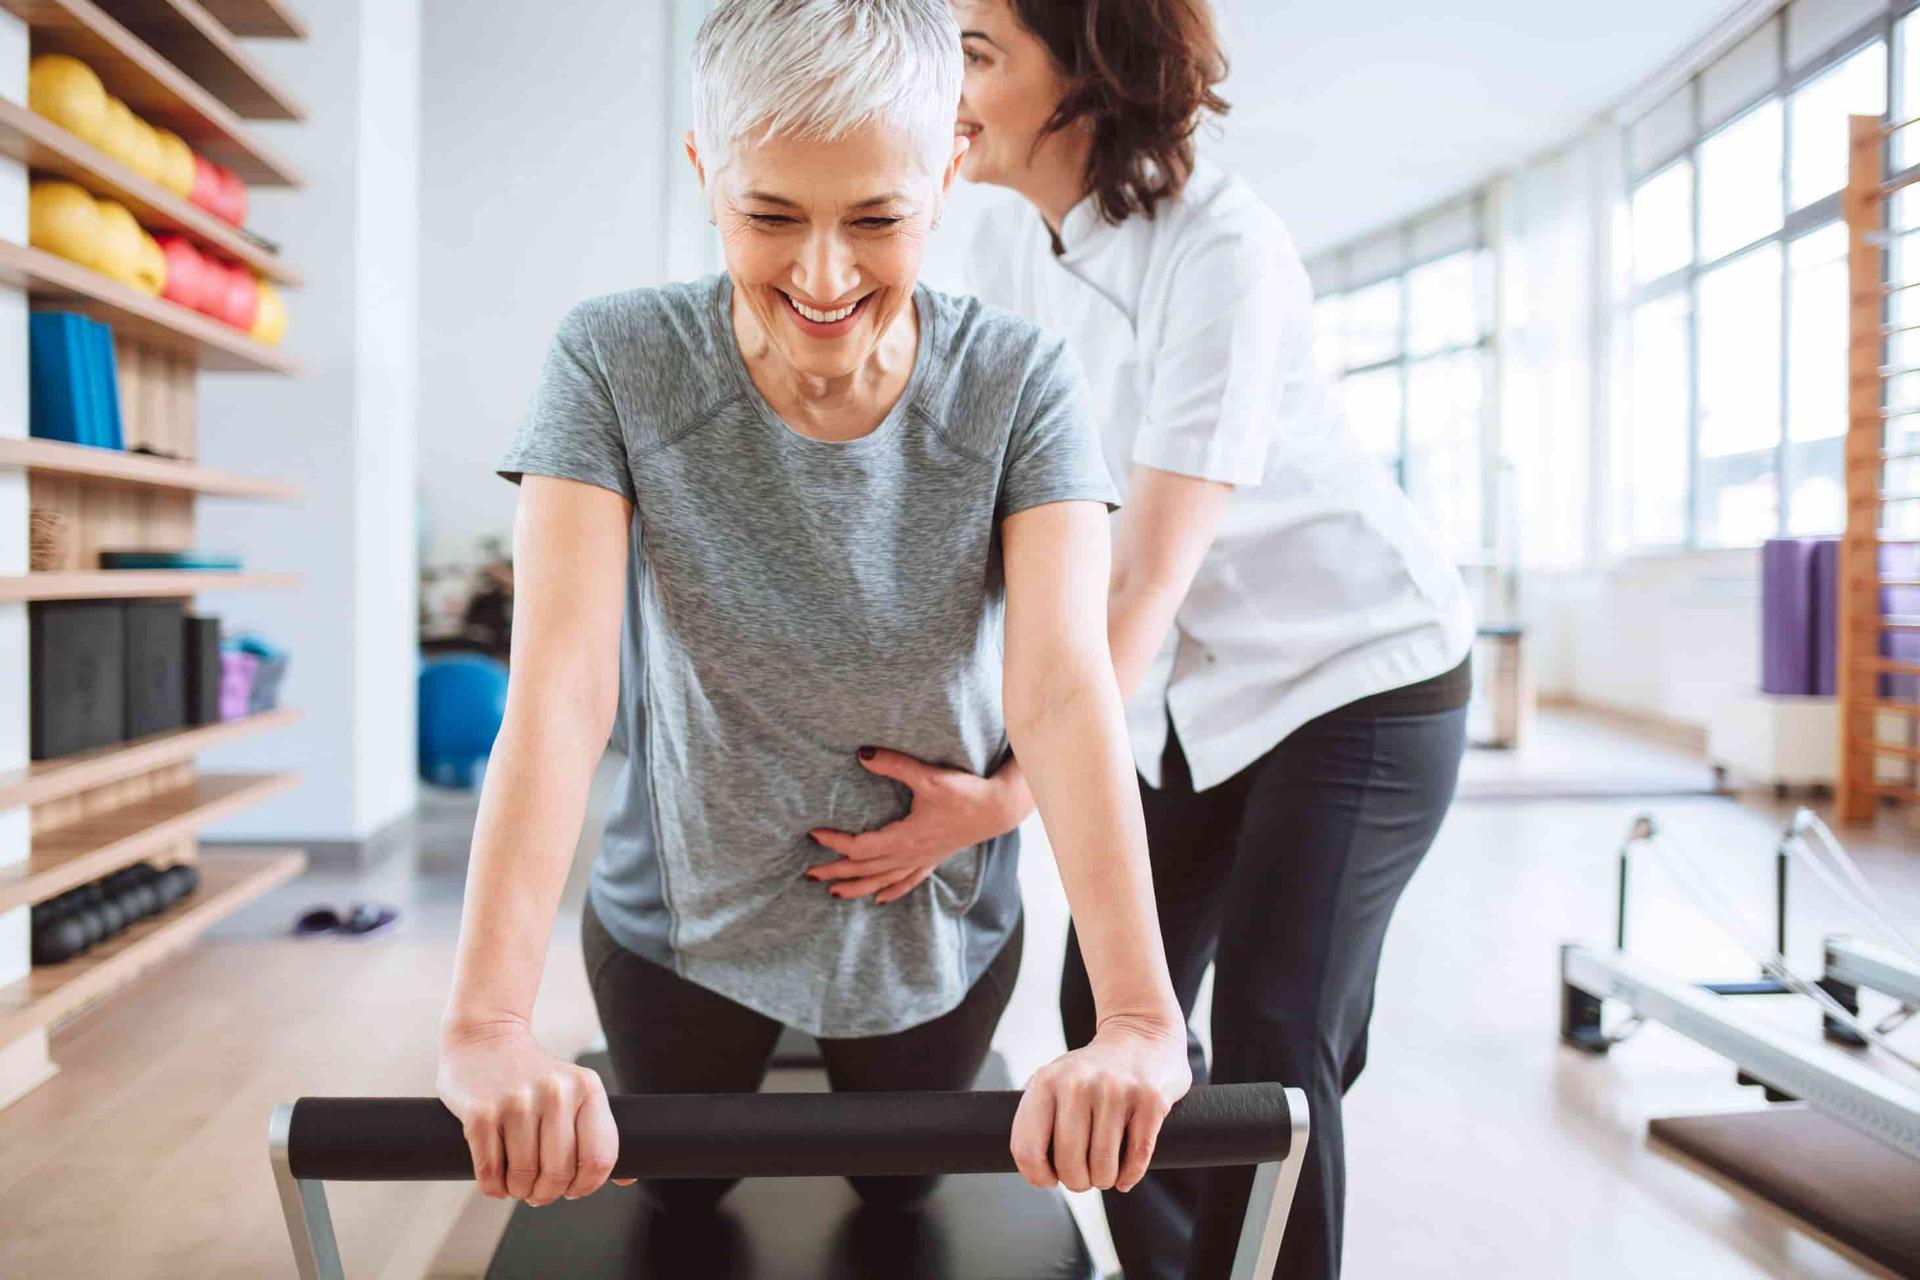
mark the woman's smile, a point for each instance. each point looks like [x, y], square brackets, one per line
[825, 322]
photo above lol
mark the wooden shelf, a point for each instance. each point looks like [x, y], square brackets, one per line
[117, 584]
[116, 467]
[70, 855]
[267, 19]
[56, 284]
[153, 88]
[63, 776]
[53, 993]
[45, 147]
[185, 34]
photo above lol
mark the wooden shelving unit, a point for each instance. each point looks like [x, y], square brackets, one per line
[45, 781]
[117, 467]
[228, 881]
[153, 88]
[45, 147]
[175, 63]
[67, 856]
[56, 284]
[126, 584]
[185, 34]
[266, 19]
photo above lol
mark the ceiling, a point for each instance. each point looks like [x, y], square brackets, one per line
[1349, 115]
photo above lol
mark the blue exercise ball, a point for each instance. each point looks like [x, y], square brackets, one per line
[463, 699]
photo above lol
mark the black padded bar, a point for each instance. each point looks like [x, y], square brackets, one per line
[774, 1135]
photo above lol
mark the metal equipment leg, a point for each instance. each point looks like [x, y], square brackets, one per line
[304, 1202]
[1271, 1200]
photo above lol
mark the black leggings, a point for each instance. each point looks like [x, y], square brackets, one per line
[668, 1035]
[1285, 875]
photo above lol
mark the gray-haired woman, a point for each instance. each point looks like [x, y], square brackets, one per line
[819, 491]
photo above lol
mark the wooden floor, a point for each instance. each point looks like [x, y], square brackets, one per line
[1477, 1147]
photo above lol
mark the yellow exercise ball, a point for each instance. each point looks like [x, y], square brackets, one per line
[270, 325]
[120, 237]
[120, 136]
[66, 91]
[176, 162]
[146, 159]
[63, 218]
[150, 274]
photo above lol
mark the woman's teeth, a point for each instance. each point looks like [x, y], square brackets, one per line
[820, 317]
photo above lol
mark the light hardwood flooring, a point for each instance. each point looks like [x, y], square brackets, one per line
[1477, 1146]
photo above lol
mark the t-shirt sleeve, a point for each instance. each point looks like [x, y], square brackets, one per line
[571, 429]
[1240, 317]
[1053, 453]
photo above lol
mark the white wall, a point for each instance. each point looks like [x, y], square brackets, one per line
[344, 430]
[548, 175]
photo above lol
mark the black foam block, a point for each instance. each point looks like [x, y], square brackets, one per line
[78, 672]
[156, 666]
[202, 642]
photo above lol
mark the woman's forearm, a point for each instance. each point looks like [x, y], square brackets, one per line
[531, 809]
[1072, 744]
[1139, 614]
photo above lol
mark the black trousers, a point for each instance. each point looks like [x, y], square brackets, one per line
[1284, 877]
[668, 1035]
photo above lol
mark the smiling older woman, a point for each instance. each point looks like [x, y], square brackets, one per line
[820, 492]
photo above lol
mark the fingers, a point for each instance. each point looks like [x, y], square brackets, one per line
[520, 1127]
[1033, 1133]
[1072, 1133]
[901, 888]
[892, 764]
[845, 844]
[1109, 1125]
[1143, 1135]
[489, 1156]
[560, 1099]
[848, 868]
[596, 1140]
[870, 884]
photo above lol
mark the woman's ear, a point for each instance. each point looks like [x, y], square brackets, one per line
[960, 145]
[693, 158]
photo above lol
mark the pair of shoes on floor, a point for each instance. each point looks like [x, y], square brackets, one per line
[362, 918]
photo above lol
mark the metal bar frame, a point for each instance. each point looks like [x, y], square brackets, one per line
[316, 1251]
[1833, 1082]
[1877, 968]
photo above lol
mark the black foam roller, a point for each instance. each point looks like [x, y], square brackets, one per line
[774, 1135]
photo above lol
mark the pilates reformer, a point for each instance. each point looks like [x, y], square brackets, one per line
[786, 1136]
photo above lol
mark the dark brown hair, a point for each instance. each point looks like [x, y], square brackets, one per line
[1141, 71]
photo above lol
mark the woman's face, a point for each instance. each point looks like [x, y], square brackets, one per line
[824, 239]
[1012, 86]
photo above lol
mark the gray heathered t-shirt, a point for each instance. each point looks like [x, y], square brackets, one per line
[790, 600]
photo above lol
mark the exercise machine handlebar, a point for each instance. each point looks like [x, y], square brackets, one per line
[767, 1135]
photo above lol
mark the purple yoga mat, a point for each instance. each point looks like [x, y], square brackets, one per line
[1826, 617]
[1786, 616]
[1900, 561]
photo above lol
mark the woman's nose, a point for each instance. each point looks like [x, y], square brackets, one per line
[825, 269]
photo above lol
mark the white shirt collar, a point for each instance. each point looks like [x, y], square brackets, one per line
[1083, 228]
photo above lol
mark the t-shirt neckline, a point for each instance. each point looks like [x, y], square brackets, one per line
[722, 317]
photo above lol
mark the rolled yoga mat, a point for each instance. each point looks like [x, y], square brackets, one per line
[1786, 616]
[1826, 617]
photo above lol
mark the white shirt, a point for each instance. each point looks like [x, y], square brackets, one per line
[1195, 329]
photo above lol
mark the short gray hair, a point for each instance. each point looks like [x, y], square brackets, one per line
[823, 68]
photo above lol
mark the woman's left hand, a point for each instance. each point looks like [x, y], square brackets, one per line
[952, 810]
[1080, 1107]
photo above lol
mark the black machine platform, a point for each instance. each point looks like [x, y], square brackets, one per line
[1864, 1194]
[976, 1226]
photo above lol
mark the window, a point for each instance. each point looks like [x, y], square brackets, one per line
[1733, 406]
[1373, 404]
[1816, 380]
[1739, 408]
[1817, 115]
[1442, 472]
[1740, 182]
[1663, 222]
[1443, 304]
[1373, 324]
[1654, 463]
[1329, 333]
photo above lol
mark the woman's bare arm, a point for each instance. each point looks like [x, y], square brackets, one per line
[570, 556]
[1066, 722]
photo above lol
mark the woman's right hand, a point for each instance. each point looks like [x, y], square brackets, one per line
[539, 1128]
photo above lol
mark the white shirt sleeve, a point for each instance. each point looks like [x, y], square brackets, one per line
[1239, 317]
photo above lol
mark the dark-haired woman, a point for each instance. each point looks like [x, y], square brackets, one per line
[1294, 646]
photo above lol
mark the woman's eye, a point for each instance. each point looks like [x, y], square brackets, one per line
[973, 59]
[768, 219]
[878, 224]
